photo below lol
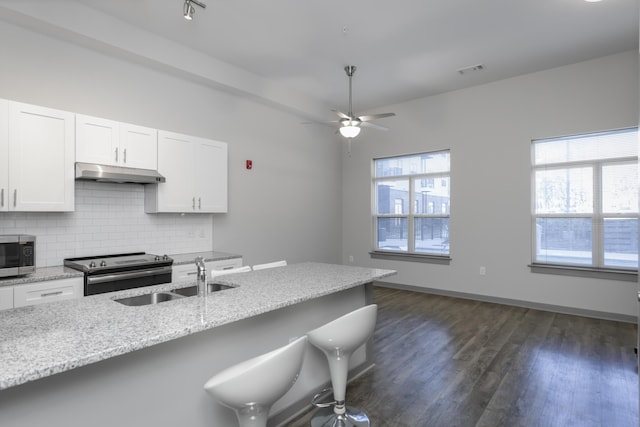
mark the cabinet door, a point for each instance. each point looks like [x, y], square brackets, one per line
[138, 146]
[96, 140]
[6, 297]
[49, 291]
[4, 155]
[176, 161]
[41, 156]
[211, 178]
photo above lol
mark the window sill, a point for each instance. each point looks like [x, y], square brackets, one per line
[396, 256]
[593, 273]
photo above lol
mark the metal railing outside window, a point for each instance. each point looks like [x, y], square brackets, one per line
[585, 201]
[411, 204]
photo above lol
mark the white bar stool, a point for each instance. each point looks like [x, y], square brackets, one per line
[270, 265]
[338, 339]
[251, 387]
[216, 273]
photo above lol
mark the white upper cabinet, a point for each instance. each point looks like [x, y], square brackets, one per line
[36, 159]
[196, 173]
[114, 143]
[212, 175]
[4, 155]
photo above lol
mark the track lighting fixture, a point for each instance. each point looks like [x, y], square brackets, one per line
[188, 9]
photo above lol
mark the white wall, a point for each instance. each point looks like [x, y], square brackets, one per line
[288, 206]
[489, 129]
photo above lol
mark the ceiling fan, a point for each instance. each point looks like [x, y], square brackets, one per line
[349, 123]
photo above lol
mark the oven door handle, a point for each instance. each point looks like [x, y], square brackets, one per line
[104, 278]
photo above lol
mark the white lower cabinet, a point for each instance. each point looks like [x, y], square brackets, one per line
[6, 297]
[189, 271]
[49, 291]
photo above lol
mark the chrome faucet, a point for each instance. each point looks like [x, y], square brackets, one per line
[201, 278]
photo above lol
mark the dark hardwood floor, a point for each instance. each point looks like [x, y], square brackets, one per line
[444, 362]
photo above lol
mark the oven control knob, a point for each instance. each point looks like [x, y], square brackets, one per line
[103, 263]
[165, 257]
[92, 264]
[157, 258]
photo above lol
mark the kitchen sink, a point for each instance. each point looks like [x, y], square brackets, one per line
[148, 299]
[193, 290]
[158, 297]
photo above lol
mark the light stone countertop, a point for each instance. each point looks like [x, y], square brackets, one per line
[42, 274]
[207, 256]
[61, 272]
[42, 340]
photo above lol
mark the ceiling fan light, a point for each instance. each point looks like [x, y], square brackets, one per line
[349, 131]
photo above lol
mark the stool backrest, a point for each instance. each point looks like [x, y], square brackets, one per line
[216, 273]
[270, 265]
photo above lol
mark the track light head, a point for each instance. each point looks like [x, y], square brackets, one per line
[188, 9]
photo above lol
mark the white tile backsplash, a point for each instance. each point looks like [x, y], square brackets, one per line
[109, 218]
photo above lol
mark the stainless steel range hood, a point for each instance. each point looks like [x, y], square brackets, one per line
[106, 173]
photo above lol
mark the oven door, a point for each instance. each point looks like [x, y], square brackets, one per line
[110, 282]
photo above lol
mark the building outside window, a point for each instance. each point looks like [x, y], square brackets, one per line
[585, 201]
[406, 191]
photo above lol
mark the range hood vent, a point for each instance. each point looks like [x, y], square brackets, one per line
[106, 173]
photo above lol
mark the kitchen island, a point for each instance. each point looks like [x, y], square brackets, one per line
[146, 365]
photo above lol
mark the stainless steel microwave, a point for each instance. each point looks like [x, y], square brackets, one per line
[17, 254]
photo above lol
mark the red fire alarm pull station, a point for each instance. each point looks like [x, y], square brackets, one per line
[249, 164]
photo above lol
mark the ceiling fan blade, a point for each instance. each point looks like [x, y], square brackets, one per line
[376, 116]
[372, 125]
[341, 114]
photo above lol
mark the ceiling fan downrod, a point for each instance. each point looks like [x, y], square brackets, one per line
[350, 69]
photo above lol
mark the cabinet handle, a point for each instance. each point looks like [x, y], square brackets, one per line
[116, 154]
[2, 197]
[50, 294]
[15, 197]
[193, 205]
[200, 203]
[124, 155]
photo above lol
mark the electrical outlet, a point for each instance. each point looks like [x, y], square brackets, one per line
[483, 271]
[351, 259]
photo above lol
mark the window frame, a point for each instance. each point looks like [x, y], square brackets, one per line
[410, 254]
[598, 216]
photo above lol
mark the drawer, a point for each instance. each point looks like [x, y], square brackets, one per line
[189, 271]
[183, 272]
[49, 291]
[224, 264]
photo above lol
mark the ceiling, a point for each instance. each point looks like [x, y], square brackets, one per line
[403, 49]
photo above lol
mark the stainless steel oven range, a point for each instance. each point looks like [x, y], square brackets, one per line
[108, 273]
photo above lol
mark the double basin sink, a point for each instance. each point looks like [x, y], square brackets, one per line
[158, 297]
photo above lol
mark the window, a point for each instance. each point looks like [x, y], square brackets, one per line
[585, 200]
[412, 203]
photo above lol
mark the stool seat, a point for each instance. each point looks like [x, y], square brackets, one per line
[251, 387]
[338, 339]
